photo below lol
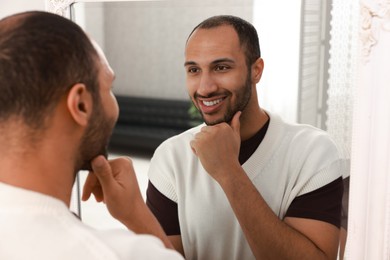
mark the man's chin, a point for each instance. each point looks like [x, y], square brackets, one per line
[87, 164]
[215, 121]
[212, 119]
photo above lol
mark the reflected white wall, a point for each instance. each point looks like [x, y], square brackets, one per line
[93, 23]
[8, 7]
[278, 25]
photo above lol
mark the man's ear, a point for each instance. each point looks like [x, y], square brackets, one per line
[257, 70]
[79, 103]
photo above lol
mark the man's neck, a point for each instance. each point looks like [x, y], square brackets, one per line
[37, 173]
[252, 122]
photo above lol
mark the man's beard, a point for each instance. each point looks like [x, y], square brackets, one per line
[96, 138]
[243, 96]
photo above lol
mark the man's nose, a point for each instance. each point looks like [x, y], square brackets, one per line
[207, 85]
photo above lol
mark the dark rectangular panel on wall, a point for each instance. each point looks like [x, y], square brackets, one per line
[144, 123]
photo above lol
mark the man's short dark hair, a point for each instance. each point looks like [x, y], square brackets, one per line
[42, 55]
[246, 32]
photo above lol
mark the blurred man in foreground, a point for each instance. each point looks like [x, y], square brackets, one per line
[57, 112]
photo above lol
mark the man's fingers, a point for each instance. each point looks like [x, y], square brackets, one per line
[100, 176]
[89, 184]
[92, 186]
[235, 123]
[192, 144]
[101, 168]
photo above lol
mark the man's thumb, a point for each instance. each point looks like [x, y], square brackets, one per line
[102, 169]
[235, 123]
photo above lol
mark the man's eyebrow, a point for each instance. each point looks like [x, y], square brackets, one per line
[188, 63]
[223, 60]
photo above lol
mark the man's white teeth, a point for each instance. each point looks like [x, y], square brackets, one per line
[212, 103]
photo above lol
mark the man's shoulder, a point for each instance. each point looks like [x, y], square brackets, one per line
[126, 245]
[305, 143]
[297, 131]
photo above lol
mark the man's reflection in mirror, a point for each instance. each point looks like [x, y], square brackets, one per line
[245, 184]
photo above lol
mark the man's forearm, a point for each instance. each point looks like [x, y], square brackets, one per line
[268, 236]
[146, 223]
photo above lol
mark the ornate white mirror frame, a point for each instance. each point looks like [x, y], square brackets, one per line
[359, 68]
[369, 223]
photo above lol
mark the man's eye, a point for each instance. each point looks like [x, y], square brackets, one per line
[221, 67]
[193, 70]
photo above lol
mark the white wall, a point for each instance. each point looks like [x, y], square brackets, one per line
[8, 7]
[278, 26]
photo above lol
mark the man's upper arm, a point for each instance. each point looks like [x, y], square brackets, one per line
[317, 215]
[324, 204]
[164, 209]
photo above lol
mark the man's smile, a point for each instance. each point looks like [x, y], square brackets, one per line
[210, 105]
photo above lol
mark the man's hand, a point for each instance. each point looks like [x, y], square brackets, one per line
[218, 147]
[114, 182]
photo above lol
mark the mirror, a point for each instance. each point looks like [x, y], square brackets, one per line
[357, 54]
[144, 43]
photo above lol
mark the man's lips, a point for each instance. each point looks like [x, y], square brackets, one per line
[210, 105]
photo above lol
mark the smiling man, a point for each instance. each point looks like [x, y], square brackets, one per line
[245, 184]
